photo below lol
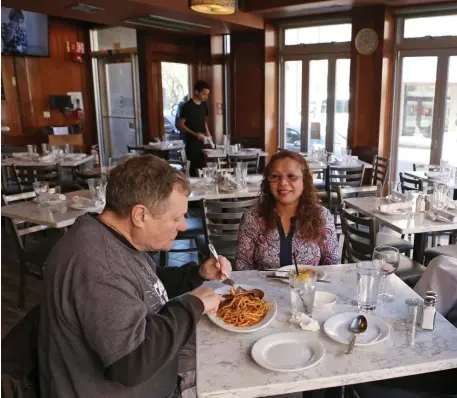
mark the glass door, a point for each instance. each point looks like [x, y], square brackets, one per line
[119, 124]
[316, 103]
[449, 146]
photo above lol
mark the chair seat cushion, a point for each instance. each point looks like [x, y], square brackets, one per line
[409, 269]
[387, 239]
[448, 250]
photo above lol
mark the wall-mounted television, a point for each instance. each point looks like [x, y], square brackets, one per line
[24, 33]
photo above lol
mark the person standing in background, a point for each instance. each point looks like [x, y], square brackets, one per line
[193, 123]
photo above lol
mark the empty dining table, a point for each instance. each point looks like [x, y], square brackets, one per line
[225, 366]
[419, 225]
[69, 160]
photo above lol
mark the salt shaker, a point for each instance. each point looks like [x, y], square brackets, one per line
[429, 313]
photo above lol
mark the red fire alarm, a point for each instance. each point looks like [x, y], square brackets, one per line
[77, 50]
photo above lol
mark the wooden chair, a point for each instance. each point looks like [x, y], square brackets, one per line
[26, 175]
[77, 140]
[360, 239]
[380, 170]
[221, 223]
[426, 167]
[137, 150]
[32, 252]
[341, 177]
[253, 162]
[410, 184]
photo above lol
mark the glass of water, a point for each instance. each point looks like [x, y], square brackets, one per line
[97, 187]
[369, 274]
[389, 258]
[302, 291]
[40, 188]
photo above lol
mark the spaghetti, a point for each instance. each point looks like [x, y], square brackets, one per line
[243, 310]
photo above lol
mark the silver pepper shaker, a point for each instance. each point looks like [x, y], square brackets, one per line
[429, 313]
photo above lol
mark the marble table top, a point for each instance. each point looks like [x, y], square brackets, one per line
[67, 162]
[403, 224]
[219, 153]
[165, 146]
[314, 165]
[225, 367]
[200, 191]
[43, 215]
[422, 175]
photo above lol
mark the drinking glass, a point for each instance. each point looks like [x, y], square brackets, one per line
[68, 149]
[45, 149]
[97, 187]
[389, 258]
[241, 173]
[369, 274]
[302, 290]
[31, 149]
[40, 188]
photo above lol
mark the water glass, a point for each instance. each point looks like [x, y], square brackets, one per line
[97, 187]
[369, 274]
[40, 188]
[389, 258]
[31, 149]
[441, 196]
[302, 290]
[68, 149]
[45, 149]
[241, 173]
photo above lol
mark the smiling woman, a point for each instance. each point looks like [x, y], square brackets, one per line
[287, 219]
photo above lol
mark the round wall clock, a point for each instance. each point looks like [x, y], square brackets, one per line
[366, 41]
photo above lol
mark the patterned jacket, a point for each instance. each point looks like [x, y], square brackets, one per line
[256, 250]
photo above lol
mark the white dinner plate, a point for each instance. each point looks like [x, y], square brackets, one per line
[394, 212]
[284, 271]
[287, 352]
[263, 323]
[53, 199]
[89, 209]
[337, 328]
[254, 178]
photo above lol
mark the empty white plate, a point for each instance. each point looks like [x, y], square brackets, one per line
[264, 322]
[284, 271]
[89, 209]
[287, 352]
[337, 328]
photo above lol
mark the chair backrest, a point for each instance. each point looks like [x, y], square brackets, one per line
[409, 183]
[77, 140]
[380, 170]
[359, 237]
[343, 177]
[26, 175]
[222, 221]
[426, 167]
[222, 162]
[20, 228]
[138, 150]
[252, 162]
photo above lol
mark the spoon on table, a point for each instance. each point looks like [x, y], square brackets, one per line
[226, 281]
[358, 325]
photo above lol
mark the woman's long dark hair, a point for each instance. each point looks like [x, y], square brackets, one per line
[310, 222]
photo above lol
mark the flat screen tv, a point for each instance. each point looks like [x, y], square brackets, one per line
[24, 33]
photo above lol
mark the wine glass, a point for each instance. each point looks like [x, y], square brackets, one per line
[390, 261]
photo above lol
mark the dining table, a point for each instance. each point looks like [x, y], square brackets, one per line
[226, 368]
[69, 160]
[61, 217]
[243, 152]
[431, 177]
[419, 224]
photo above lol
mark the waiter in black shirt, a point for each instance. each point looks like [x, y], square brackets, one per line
[193, 122]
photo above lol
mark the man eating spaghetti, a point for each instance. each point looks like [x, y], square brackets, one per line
[112, 323]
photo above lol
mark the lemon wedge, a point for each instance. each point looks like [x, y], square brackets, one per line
[302, 277]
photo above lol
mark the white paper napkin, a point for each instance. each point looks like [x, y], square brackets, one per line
[445, 214]
[392, 207]
[305, 322]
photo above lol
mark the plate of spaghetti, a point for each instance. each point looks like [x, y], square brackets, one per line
[243, 312]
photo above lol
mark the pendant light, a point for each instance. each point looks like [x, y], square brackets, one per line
[217, 7]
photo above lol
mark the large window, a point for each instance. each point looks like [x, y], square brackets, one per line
[425, 106]
[175, 92]
[315, 87]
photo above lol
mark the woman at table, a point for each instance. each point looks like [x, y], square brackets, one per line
[288, 219]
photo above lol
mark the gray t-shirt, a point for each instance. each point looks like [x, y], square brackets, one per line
[105, 305]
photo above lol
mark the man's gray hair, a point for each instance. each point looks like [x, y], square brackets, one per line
[146, 180]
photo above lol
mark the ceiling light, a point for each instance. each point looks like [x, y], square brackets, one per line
[218, 7]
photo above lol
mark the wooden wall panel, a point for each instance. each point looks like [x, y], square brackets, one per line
[11, 114]
[271, 89]
[366, 85]
[39, 77]
[247, 84]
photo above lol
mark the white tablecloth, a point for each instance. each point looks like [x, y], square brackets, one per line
[440, 276]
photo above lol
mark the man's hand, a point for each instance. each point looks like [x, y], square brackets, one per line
[208, 296]
[201, 136]
[213, 270]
